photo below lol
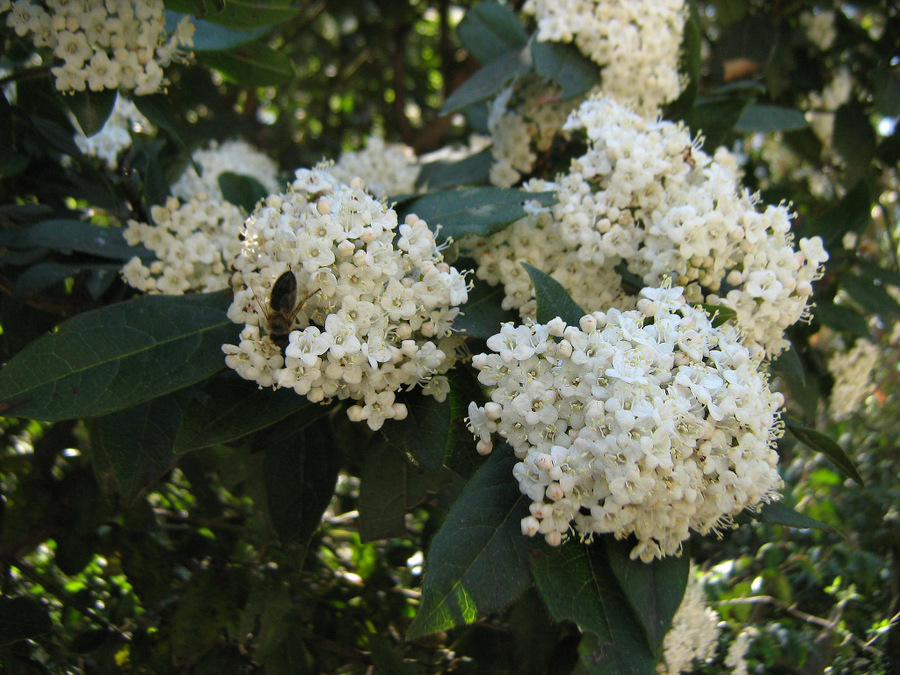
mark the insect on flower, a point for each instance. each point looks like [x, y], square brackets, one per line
[282, 309]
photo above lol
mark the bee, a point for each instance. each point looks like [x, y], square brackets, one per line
[282, 309]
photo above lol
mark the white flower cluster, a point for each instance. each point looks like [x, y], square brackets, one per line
[374, 301]
[649, 422]
[115, 135]
[819, 28]
[644, 196]
[194, 243]
[390, 169]
[694, 634]
[853, 372]
[523, 121]
[103, 44]
[230, 157]
[637, 43]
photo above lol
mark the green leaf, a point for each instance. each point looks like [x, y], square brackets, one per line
[654, 590]
[577, 584]
[478, 560]
[253, 65]
[240, 13]
[215, 37]
[854, 139]
[91, 108]
[427, 432]
[58, 137]
[819, 442]
[131, 449]
[779, 513]
[762, 118]
[22, 619]
[68, 236]
[483, 313]
[472, 170]
[490, 31]
[233, 408]
[841, 318]
[477, 210]
[241, 190]
[552, 299]
[789, 365]
[387, 659]
[870, 296]
[564, 64]
[211, 600]
[488, 81]
[43, 275]
[853, 213]
[117, 357]
[715, 119]
[300, 470]
[159, 110]
[887, 91]
[718, 313]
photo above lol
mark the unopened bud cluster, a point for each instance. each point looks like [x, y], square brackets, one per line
[649, 422]
[375, 300]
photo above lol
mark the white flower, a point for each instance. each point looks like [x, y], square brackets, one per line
[231, 156]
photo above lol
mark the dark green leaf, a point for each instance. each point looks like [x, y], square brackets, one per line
[240, 190]
[854, 139]
[389, 660]
[488, 81]
[715, 119]
[91, 108]
[159, 110]
[690, 62]
[851, 214]
[887, 91]
[210, 601]
[300, 472]
[789, 365]
[719, 313]
[58, 137]
[213, 36]
[490, 30]
[654, 590]
[819, 442]
[870, 296]
[68, 236]
[483, 314]
[131, 449]
[234, 408]
[253, 65]
[552, 299]
[21, 619]
[578, 584]
[888, 150]
[477, 210]
[841, 318]
[240, 13]
[564, 64]
[762, 118]
[779, 513]
[472, 170]
[43, 275]
[478, 560]
[427, 432]
[117, 357]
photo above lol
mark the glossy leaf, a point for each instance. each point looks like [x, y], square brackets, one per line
[779, 513]
[132, 449]
[91, 108]
[577, 584]
[300, 471]
[210, 36]
[478, 560]
[483, 313]
[654, 590]
[552, 299]
[819, 442]
[118, 356]
[490, 30]
[21, 619]
[253, 64]
[762, 118]
[488, 81]
[159, 110]
[70, 236]
[233, 408]
[719, 314]
[477, 210]
[472, 170]
[564, 64]
[241, 190]
[427, 432]
[715, 119]
[43, 275]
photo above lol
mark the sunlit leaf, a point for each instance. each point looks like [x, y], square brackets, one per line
[478, 560]
[779, 513]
